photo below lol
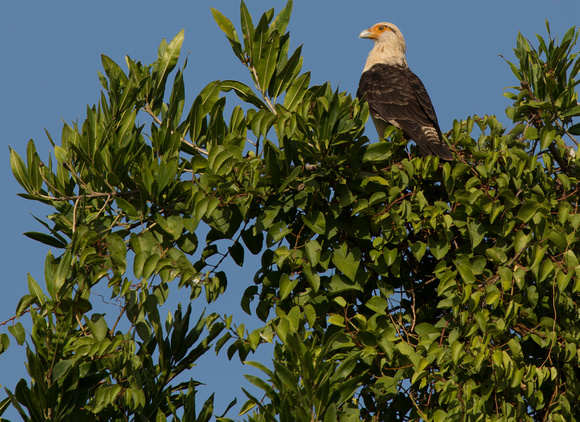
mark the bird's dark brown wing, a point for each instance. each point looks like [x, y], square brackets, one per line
[397, 96]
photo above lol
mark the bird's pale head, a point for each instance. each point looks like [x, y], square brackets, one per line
[389, 44]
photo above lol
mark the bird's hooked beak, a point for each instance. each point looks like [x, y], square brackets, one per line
[368, 34]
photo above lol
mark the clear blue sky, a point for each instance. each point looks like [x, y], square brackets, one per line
[50, 54]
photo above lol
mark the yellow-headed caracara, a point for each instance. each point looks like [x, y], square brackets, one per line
[396, 96]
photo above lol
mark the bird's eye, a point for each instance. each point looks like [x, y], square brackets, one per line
[382, 28]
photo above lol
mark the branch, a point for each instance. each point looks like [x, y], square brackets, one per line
[567, 133]
[556, 154]
[89, 196]
[225, 255]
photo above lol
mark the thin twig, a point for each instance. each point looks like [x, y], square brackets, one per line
[112, 330]
[81, 326]
[228, 252]
[89, 196]
[74, 223]
[413, 309]
[421, 413]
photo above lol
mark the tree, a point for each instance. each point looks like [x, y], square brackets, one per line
[394, 287]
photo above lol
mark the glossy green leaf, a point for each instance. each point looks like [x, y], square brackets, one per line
[266, 64]
[244, 92]
[19, 170]
[35, 290]
[281, 21]
[17, 330]
[347, 262]
[225, 24]
[296, 91]
[168, 57]
[46, 239]
[247, 28]
[476, 233]
[378, 304]
[574, 111]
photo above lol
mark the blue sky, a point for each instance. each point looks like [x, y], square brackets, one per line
[51, 54]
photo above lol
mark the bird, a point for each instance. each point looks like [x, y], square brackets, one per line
[395, 95]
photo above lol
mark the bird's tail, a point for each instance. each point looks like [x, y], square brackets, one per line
[434, 144]
[441, 150]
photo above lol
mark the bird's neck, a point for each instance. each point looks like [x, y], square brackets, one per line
[385, 53]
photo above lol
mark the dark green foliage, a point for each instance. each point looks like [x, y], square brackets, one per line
[394, 287]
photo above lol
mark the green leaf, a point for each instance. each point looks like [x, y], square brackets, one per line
[347, 262]
[492, 296]
[61, 368]
[249, 405]
[310, 313]
[46, 239]
[149, 266]
[202, 105]
[378, 304]
[312, 277]
[244, 92]
[176, 101]
[286, 286]
[4, 342]
[547, 135]
[337, 320]
[4, 404]
[207, 409]
[266, 63]
[521, 241]
[19, 170]
[427, 331]
[237, 253]
[35, 290]
[34, 166]
[289, 73]
[476, 233]
[496, 255]
[98, 327]
[281, 21]
[316, 222]
[261, 123]
[277, 232]
[377, 152]
[456, 351]
[172, 225]
[527, 211]
[465, 272]
[225, 24]
[260, 383]
[62, 270]
[574, 129]
[574, 111]
[24, 304]
[418, 249]
[168, 57]
[439, 248]
[296, 91]
[17, 330]
[253, 242]
[139, 263]
[247, 28]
